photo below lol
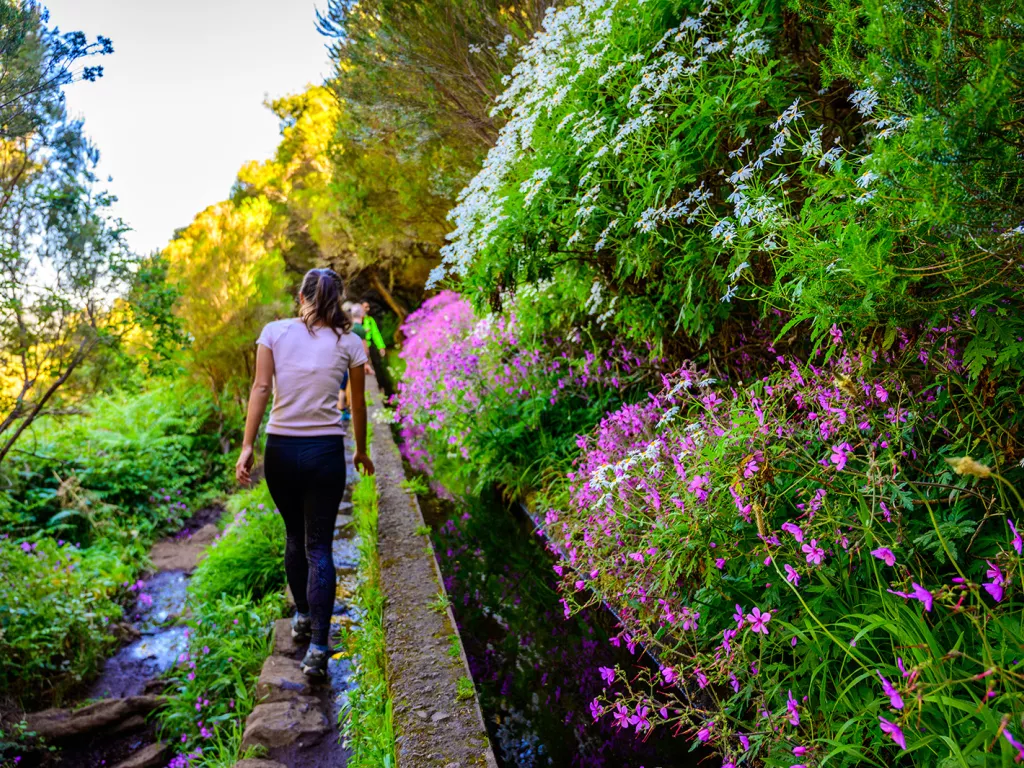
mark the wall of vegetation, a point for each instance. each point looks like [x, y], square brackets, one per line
[739, 311]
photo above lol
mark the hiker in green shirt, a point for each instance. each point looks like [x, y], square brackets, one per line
[373, 336]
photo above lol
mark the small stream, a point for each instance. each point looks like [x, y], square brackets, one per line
[535, 671]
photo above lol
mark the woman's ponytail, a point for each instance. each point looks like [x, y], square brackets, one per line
[321, 296]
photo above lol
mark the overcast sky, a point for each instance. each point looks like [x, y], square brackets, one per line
[180, 106]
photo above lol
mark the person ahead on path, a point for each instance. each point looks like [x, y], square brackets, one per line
[302, 360]
[358, 316]
[373, 337]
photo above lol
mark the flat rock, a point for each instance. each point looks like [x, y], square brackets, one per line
[281, 679]
[284, 644]
[153, 756]
[64, 724]
[280, 723]
[253, 763]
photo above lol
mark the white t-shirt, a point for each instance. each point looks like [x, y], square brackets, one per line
[308, 369]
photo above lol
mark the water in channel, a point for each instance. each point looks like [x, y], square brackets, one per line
[536, 671]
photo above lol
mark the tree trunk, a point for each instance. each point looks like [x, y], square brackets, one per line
[379, 287]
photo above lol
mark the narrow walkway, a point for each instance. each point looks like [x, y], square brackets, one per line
[297, 721]
[436, 726]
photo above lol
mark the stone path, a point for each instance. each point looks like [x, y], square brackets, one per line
[436, 727]
[296, 721]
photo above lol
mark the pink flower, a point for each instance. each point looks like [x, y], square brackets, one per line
[836, 334]
[1018, 543]
[720, 563]
[705, 733]
[995, 587]
[791, 575]
[640, 718]
[621, 716]
[608, 675]
[839, 454]
[759, 620]
[794, 530]
[799, 751]
[815, 554]
[794, 709]
[689, 619]
[698, 487]
[744, 741]
[885, 555]
[595, 710]
[894, 696]
[893, 730]
[1015, 744]
[738, 616]
[880, 393]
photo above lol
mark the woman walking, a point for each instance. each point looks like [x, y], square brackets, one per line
[303, 361]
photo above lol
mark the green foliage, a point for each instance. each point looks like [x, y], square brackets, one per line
[246, 559]
[233, 600]
[368, 720]
[464, 690]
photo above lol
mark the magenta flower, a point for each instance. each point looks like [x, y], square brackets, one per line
[995, 587]
[702, 679]
[836, 333]
[922, 594]
[799, 751]
[738, 616]
[815, 554]
[608, 675]
[744, 741]
[894, 696]
[640, 718]
[689, 619]
[595, 710]
[791, 575]
[839, 454]
[880, 393]
[759, 620]
[621, 716]
[893, 730]
[669, 674]
[794, 530]
[734, 682]
[720, 563]
[794, 710]
[698, 487]
[705, 733]
[1015, 744]
[885, 555]
[1018, 543]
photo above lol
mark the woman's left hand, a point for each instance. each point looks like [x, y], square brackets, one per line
[362, 462]
[244, 465]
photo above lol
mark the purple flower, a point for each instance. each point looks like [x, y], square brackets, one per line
[738, 616]
[689, 619]
[595, 710]
[1015, 744]
[744, 741]
[26, 547]
[621, 716]
[893, 730]
[839, 454]
[894, 696]
[794, 530]
[995, 587]
[720, 563]
[640, 718]
[759, 620]
[880, 393]
[608, 675]
[698, 487]
[1018, 543]
[815, 554]
[920, 593]
[885, 555]
[791, 575]
[836, 334]
[799, 751]
[705, 733]
[794, 710]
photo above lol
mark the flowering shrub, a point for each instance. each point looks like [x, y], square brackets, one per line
[482, 388]
[683, 156]
[819, 573]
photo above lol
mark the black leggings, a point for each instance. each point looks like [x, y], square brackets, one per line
[306, 478]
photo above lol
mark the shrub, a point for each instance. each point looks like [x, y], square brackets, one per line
[819, 569]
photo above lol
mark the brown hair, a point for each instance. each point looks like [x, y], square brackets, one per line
[322, 290]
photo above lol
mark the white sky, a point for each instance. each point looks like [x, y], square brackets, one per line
[179, 108]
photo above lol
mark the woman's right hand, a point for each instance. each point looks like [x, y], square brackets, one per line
[243, 467]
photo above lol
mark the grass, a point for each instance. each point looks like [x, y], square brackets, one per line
[465, 690]
[422, 530]
[415, 485]
[368, 722]
[441, 603]
[233, 598]
[454, 647]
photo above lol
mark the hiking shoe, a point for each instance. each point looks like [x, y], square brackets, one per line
[301, 627]
[315, 662]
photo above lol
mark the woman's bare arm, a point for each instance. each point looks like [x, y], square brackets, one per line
[357, 406]
[262, 386]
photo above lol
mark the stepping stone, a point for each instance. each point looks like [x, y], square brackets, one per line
[153, 756]
[252, 763]
[281, 723]
[281, 679]
[63, 724]
[284, 644]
